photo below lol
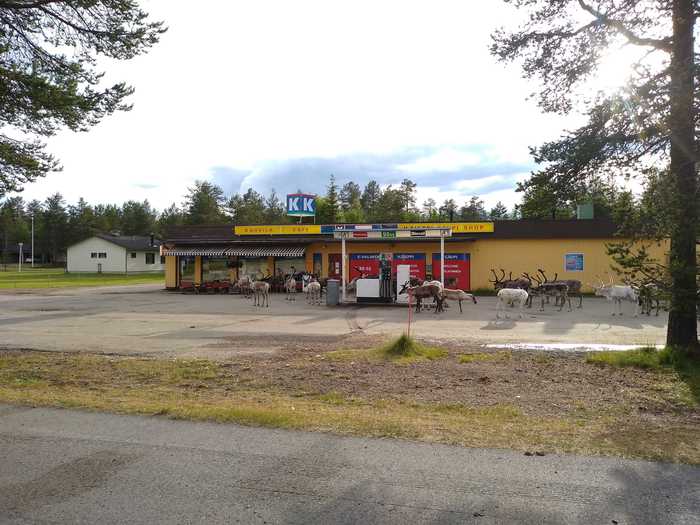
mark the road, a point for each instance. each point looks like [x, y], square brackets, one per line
[60, 466]
[147, 320]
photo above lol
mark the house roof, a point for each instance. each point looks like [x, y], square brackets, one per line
[131, 242]
[223, 234]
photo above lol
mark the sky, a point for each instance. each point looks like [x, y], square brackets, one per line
[277, 94]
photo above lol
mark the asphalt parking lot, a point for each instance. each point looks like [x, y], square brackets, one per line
[145, 319]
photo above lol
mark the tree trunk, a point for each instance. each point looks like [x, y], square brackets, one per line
[682, 322]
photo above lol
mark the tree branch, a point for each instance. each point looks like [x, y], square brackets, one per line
[664, 43]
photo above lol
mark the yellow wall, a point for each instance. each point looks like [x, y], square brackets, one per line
[197, 270]
[513, 255]
[170, 271]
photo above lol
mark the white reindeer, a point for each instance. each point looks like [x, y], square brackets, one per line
[261, 291]
[457, 295]
[244, 285]
[616, 294]
[290, 287]
[313, 291]
[515, 296]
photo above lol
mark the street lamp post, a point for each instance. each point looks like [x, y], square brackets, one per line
[32, 240]
[20, 256]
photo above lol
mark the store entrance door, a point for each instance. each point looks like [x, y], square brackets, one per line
[334, 262]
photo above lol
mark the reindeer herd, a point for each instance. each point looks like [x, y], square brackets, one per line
[519, 292]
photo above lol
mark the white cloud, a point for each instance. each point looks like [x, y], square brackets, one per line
[243, 84]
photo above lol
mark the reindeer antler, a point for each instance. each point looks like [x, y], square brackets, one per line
[510, 276]
[503, 274]
[541, 271]
[494, 276]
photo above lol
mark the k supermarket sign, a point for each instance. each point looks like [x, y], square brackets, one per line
[301, 205]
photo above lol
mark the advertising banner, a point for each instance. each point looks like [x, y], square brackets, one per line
[415, 260]
[366, 264]
[280, 229]
[457, 268]
[573, 262]
[301, 205]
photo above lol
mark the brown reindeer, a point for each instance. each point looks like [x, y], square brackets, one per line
[424, 291]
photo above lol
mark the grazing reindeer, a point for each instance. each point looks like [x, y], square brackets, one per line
[514, 296]
[290, 287]
[313, 291]
[261, 291]
[616, 294]
[457, 295]
[424, 291]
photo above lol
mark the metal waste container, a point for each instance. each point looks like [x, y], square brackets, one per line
[332, 292]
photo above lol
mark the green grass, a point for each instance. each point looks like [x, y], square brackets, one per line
[668, 360]
[201, 390]
[403, 350]
[58, 278]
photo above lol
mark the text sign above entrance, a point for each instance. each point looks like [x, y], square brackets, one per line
[392, 234]
[385, 231]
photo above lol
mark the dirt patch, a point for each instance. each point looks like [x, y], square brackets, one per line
[495, 398]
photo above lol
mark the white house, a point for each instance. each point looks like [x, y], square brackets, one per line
[116, 254]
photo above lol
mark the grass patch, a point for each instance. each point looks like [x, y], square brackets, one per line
[485, 356]
[403, 350]
[207, 391]
[667, 360]
[58, 278]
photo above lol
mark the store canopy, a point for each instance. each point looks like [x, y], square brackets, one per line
[267, 251]
[244, 251]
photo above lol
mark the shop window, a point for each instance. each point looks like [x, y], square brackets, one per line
[150, 258]
[318, 258]
[255, 267]
[287, 266]
[133, 255]
[102, 255]
[162, 259]
[187, 268]
[93, 255]
[214, 269]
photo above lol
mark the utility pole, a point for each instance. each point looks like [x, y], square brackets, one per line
[32, 240]
[20, 256]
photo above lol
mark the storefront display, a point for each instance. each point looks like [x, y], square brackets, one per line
[415, 260]
[457, 270]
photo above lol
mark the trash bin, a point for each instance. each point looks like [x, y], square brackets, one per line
[333, 292]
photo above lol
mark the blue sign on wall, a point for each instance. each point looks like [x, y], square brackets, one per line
[301, 205]
[573, 262]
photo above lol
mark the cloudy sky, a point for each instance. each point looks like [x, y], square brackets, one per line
[279, 94]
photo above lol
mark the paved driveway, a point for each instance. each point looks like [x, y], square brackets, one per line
[146, 319]
[60, 466]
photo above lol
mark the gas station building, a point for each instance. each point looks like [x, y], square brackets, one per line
[573, 249]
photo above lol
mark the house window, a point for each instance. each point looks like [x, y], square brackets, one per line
[102, 255]
[133, 255]
[150, 258]
[162, 259]
[93, 255]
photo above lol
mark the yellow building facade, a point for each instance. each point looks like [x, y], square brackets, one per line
[567, 249]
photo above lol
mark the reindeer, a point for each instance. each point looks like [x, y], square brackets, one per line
[290, 287]
[457, 295]
[261, 291]
[313, 292]
[557, 289]
[574, 286]
[616, 294]
[501, 282]
[514, 296]
[423, 291]
[244, 285]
